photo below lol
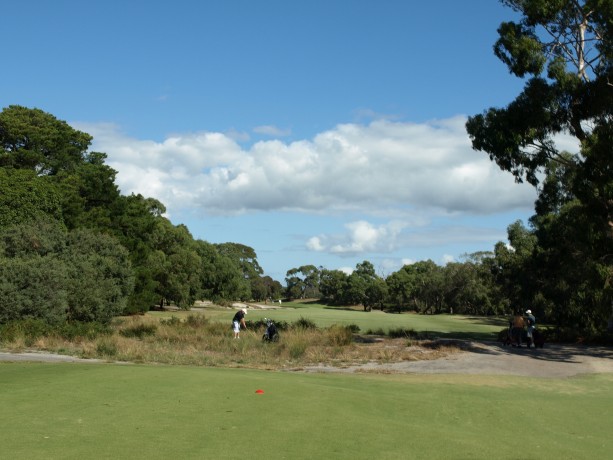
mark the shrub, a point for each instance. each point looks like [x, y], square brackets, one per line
[196, 321]
[339, 335]
[304, 323]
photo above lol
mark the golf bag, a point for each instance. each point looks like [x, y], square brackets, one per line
[270, 334]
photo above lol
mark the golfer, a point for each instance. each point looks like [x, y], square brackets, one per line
[531, 320]
[238, 321]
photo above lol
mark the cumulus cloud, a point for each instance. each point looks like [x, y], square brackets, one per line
[365, 237]
[361, 237]
[372, 168]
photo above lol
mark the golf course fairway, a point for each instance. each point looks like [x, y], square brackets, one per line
[77, 411]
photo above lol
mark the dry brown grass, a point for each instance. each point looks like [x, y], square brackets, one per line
[196, 341]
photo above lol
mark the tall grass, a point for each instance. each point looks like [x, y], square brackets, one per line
[194, 340]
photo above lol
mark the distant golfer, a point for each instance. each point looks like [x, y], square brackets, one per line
[238, 321]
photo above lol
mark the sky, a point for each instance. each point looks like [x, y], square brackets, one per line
[316, 132]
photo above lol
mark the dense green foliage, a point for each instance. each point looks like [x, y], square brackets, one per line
[564, 51]
[73, 248]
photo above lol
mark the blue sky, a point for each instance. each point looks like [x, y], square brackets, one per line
[316, 132]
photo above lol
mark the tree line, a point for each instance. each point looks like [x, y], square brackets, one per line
[562, 264]
[72, 247]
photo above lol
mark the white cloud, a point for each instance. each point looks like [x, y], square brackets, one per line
[364, 237]
[382, 167]
[361, 237]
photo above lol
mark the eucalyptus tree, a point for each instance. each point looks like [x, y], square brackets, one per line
[303, 282]
[333, 285]
[365, 288]
[563, 50]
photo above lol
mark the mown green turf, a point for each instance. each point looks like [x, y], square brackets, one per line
[458, 326]
[96, 411]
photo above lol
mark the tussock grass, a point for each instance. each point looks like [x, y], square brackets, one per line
[195, 340]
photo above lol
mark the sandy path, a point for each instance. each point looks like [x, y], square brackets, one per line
[493, 359]
[478, 358]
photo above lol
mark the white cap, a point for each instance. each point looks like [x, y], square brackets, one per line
[528, 312]
[244, 311]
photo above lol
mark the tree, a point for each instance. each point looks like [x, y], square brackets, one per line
[24, 197]
[176, 263]
[564, 50]
[57, 276]
[468, 288]
[221, 277]
[365, 288]
[33, 139]
[303, 282]
[100, 276]
[244, 255]
[417, 286]
[333, 285]
[134, 220]
[33, 279]
[89, 193]
[264, 287]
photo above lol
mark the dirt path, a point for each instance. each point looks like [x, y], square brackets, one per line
[43, 357]
[475, 358]
[493, 359]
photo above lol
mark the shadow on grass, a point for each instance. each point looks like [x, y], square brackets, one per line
[333, 307]
[476, 336]
[488, 320]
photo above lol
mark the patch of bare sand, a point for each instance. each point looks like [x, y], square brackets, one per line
[553, 361]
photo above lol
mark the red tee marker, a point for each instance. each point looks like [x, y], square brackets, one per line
[259, 392]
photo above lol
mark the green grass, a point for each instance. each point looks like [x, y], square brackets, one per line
[69, 411]
[456, 326]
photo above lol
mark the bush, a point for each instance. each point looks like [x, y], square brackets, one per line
[339, 335]
[304, 323]
[196, 321]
